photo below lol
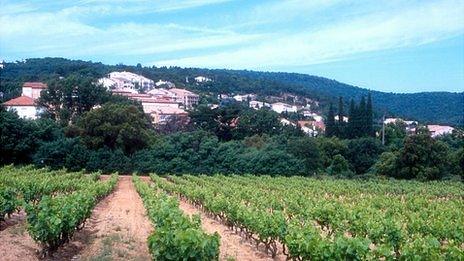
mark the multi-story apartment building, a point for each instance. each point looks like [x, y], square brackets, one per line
[187, 98]
[121, 80]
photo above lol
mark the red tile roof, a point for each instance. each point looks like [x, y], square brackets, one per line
[20, 101]
[35, 85]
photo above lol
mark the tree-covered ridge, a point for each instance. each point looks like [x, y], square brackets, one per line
[428, 107]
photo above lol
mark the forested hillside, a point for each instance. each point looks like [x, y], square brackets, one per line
[428, 107]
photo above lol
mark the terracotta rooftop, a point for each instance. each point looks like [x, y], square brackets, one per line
[35, 85]
[20, 101]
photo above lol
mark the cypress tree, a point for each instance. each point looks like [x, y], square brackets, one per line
[330, 126]
[369, 116]
[362, 114]
[351, 130]
[341, 124]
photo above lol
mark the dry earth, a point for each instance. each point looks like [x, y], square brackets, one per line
[117, 230]
[121, 227]
[233, 246]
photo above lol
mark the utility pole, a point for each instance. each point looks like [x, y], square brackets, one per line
[383, 129]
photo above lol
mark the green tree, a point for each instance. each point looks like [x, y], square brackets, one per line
[330, 127]
[395, 134]
[387, 164]
[339, 166]
[329, 147]
[341, 131]
[306, 149]
[369, 117]
[362, 124]
[252, 122]
[363, 153]
[460, 161]
[115, 126]
[20, 138]
[352, 121]
[66, 99]
[423, 157]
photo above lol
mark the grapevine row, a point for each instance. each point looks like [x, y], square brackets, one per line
[176, 236]
[314, 223]
[54, 219]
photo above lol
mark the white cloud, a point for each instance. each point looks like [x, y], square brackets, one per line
[155, 6]
[272, 34]
[425, 23]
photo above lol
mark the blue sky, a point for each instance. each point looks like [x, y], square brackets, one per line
[387, 45]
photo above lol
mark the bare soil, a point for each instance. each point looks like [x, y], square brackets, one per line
[120, 227]
[15, 242]
[117, 230]
[233, 246]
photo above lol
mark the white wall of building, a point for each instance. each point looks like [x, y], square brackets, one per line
[28, 112]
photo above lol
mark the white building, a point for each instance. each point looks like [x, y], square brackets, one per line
[258, 105]
[25, 105]
[162, 93]
[152, 104]
[165, 83]
[345, 119]
[119, 80]
[438, 130]
[281, 107]
[242, 98]
[164, 114]
[185, 97]
[395, 120]
[202, 79]
[286, 122]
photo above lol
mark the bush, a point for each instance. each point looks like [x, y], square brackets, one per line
[340, 167]
[363, 153]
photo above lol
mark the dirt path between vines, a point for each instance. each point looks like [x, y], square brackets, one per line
[232, 245]
[120, 227]
[117, 230]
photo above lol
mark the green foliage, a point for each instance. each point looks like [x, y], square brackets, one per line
[9, 201]
[339, 166]
[53, 221]
[460, 160]
[395, 134]
[439, 107]
[108, 161]
[307, 150]
[56, 202]
[360, 120]
[65, 152]
[200, 152]
[330, 219]
[330, 126]
[115, 126]
[257, 122]
[363, 153]
[176, 237]
[421, 157]
[330, 147]
[66, 99]
[20, 138]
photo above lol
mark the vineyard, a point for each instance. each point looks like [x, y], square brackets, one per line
[293, 218]
[57, 203]
[313, 219]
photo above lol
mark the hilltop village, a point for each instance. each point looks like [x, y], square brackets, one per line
[164, 103]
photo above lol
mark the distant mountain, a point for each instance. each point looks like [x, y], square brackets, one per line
[427, 107]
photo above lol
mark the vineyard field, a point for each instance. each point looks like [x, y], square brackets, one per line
[312, 219]
[227, 217]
